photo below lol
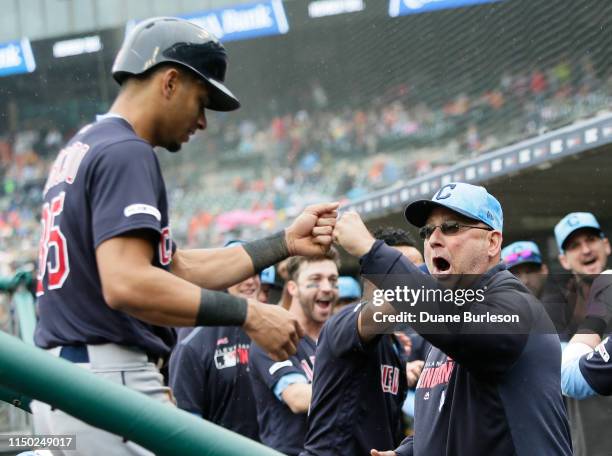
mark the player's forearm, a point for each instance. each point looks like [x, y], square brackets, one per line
[215, 269]
[297, 397]
[202, 267]
[154, 295]
[592, 340]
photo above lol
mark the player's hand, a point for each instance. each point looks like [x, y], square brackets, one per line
[274, 329]
[310, 234]
[413, 372]
[351, 233]
[382, 453]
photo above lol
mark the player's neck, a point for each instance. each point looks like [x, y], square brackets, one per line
[312, 328]
[136, 114]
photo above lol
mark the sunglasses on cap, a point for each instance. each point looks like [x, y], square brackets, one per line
[449, 228]
[524, 254]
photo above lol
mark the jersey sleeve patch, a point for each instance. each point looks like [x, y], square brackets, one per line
[141, 208]
[277, 366]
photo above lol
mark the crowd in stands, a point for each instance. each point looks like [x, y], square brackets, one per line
[247, 173]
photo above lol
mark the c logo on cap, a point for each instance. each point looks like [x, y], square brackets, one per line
[439, 196]
[573, 220]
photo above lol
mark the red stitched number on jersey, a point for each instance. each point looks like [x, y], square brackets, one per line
[53, 242]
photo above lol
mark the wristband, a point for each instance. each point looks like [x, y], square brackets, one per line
[221, 309]
[267, 251]
[592, 324]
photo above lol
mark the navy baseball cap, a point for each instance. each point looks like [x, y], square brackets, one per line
[348, 288]
[572, 222]
[469, 200]
[521, 252]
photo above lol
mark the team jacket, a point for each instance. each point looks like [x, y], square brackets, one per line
[487, 393]
[358, 391]
[209, 375]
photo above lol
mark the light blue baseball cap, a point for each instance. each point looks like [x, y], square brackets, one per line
[233, 242]
[521, 252]
[348, 288]
[268, 275]
[572, 222]
[469, 200]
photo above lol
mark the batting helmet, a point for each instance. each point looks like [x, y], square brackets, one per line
[173, 40]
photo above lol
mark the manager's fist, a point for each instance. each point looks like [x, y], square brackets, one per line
[351, 233]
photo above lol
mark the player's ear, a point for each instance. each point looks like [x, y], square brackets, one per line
[169, 82]
[495, 242]
[292, 288]
[606, 246]
[564, 263]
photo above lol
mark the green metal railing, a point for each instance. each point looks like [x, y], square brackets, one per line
[27, 371]
[23, 305]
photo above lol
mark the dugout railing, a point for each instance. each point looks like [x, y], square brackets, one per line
[18, 318]
[29, 372]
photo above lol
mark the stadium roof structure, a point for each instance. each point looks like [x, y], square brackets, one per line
[537, 180]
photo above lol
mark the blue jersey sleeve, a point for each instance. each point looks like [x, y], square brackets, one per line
[406, 448]
[188, 376]
[288, 380]
[596, 368]
[268, 370]
[573, 383]
[124, 189]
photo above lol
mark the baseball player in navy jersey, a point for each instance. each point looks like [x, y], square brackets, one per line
[283, 389]
[209, 371]
[110, 279]
[361, 379]
[471, 398]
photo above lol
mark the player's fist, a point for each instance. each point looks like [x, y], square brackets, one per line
[273, 328]
[351, 233]
[310, 234]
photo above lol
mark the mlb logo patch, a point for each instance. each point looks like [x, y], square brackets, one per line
[226, 357]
